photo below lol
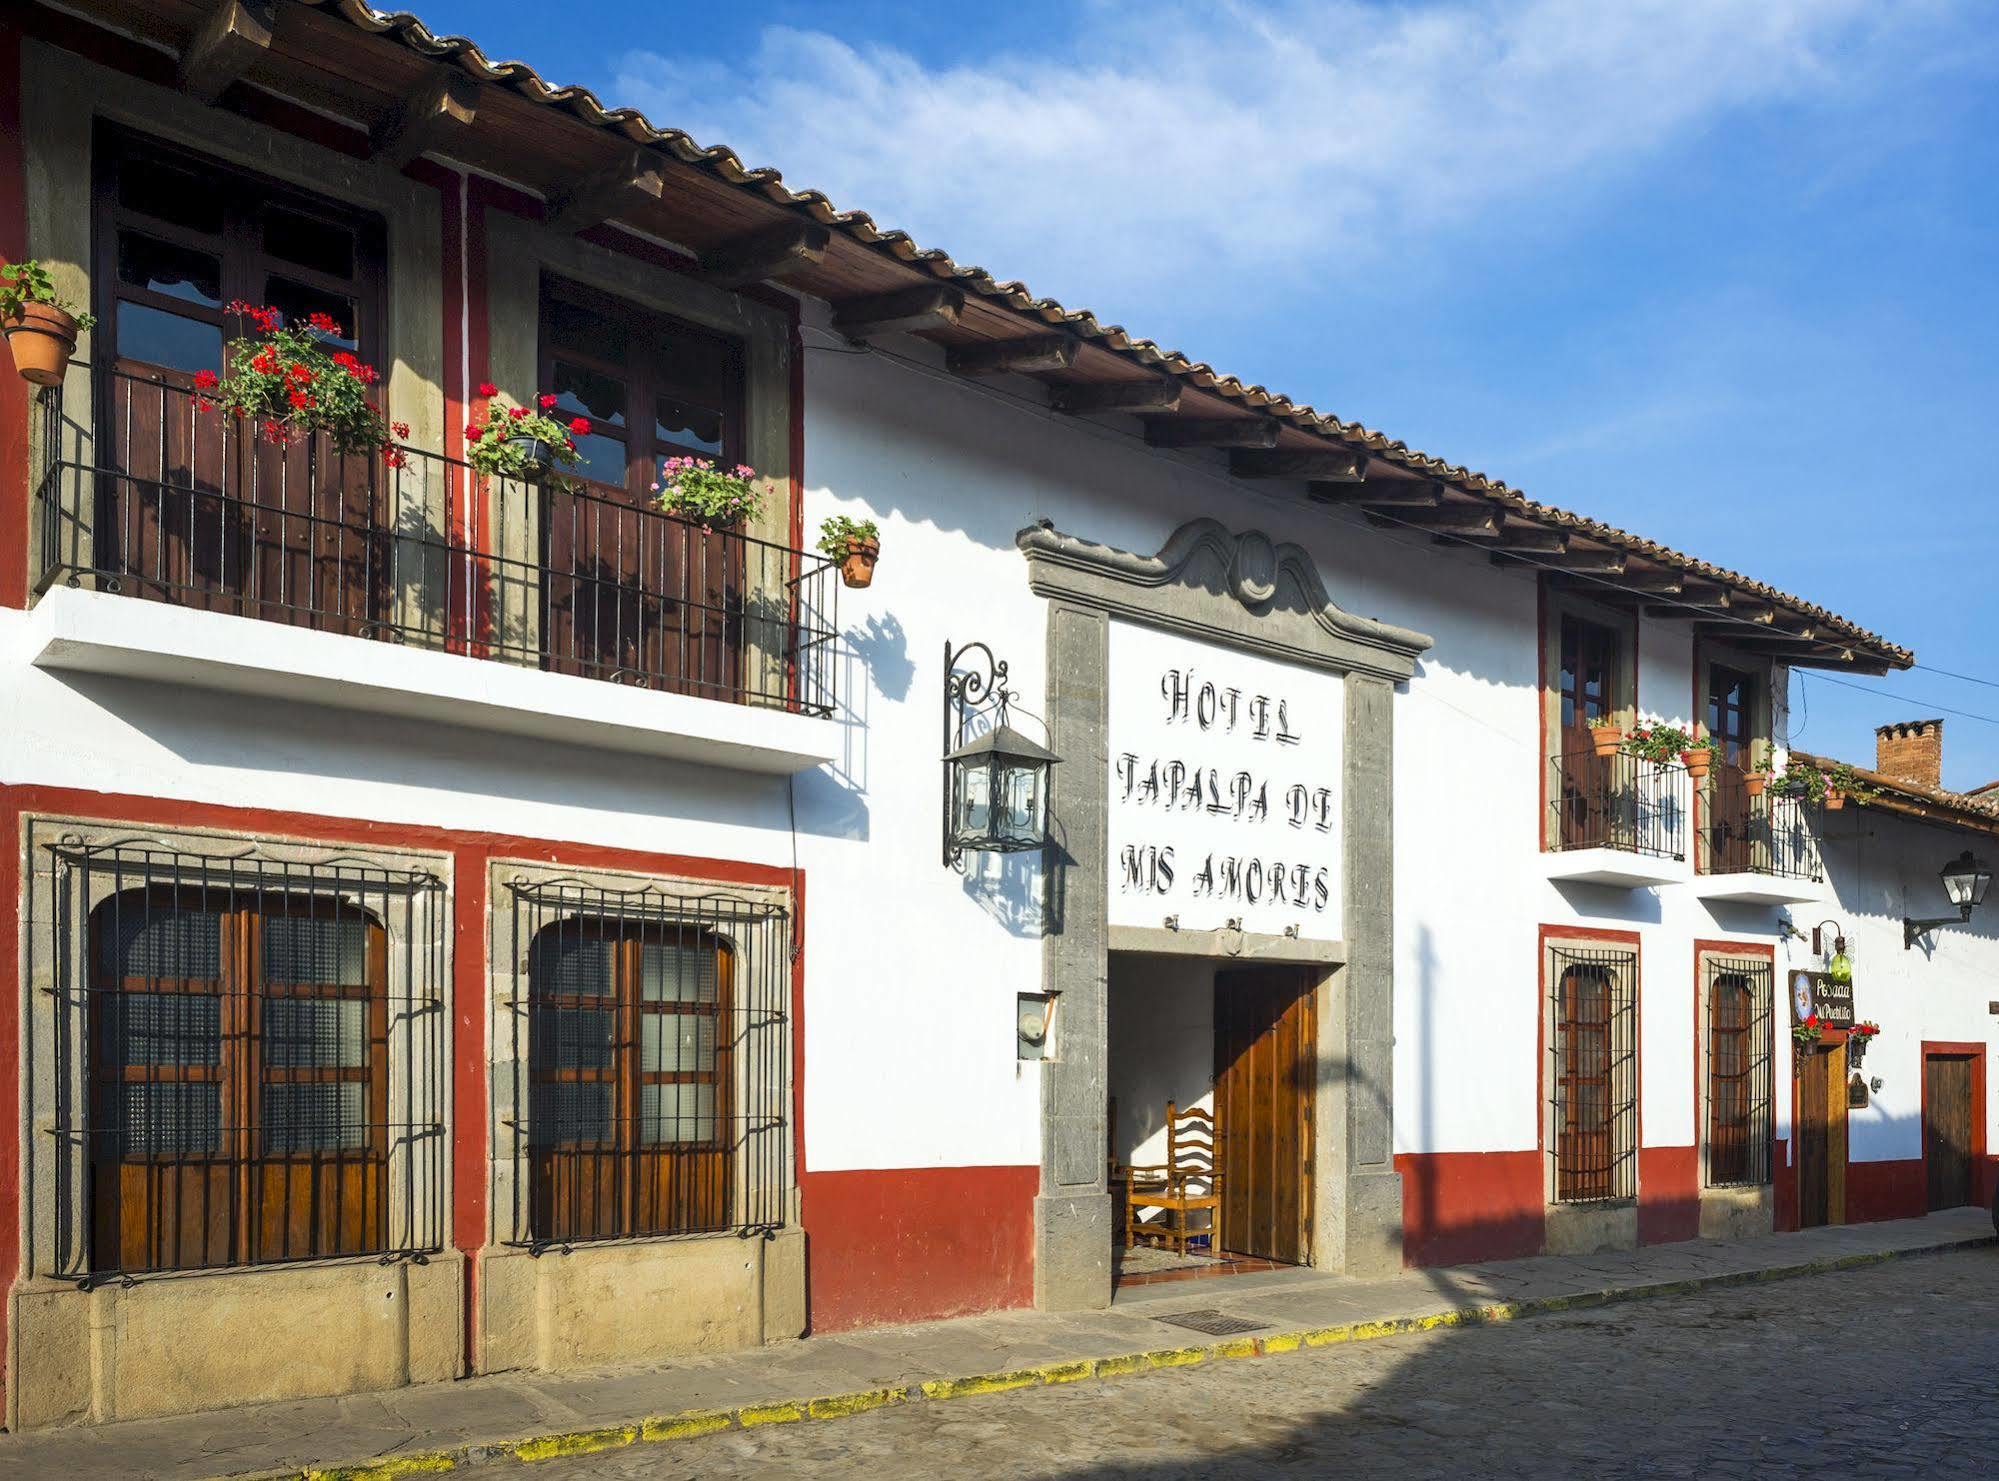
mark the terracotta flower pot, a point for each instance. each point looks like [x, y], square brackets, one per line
[1834, 801]
[42, 338]
[1608, 740]
[1697, 763]
[857, 566]
[1755, 782]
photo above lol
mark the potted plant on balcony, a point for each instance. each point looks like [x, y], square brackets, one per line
[41, 328]
[1799, 780]
[518, 442]
[1659, 743]
[1757, 778]
[855, 543]
[1697, 755]
[695, 490]
[1808, 1033]
[1842, 784]
[285, 383]
[1858, 1038]
[1606, 736]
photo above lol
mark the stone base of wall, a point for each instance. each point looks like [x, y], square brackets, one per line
[619, 1303]
[1586, 1228]
[173, 1344]
[1738, 1213]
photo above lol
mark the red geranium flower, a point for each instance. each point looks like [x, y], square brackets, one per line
[487, 388]
[299, 399]
[517, 412]
[473, 431]
[401, 429]
[325, 323]
[579, 425]
[204, 380]
[547, 400]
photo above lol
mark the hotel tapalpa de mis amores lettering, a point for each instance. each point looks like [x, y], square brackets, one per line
[470, 909]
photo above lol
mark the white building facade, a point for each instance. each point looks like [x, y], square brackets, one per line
[461, 925]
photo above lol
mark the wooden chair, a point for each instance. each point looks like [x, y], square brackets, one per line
[1187, 1183]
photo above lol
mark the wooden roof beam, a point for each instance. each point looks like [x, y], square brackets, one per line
[1591, 562]
[1381, 493]
[618, 189]
[1532, 540]
[1211, 432]
[759, 256]
[236, 34]
[435, 116]
[904, 311]
[1331, 465]
[1161, 393]
[1467, 521]
[1014, 356]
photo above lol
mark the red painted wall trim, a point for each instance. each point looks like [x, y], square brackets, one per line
[1460, 1207]
[915, 1244]
[15, 510]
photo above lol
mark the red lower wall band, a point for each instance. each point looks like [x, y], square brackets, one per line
[1458, 1207]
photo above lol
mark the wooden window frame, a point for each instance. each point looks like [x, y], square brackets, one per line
[1713, 962]
[1614, 1180]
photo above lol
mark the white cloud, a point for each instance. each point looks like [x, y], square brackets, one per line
[1161, 143]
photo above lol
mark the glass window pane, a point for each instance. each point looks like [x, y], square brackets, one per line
[572, 327]
[676, 1113]
[315, 1033]
[318, 1117]
[327, 951]
[177, 1116]
[677, 1043]
[173, 193]
[167, 340]
[603, 459]
[298, 303]
[566, 1113]
[165, 1028]
[581, 392]
[180, 272]
[309, 242]
[567, 963]
[572, 1038]
[148, 940]
[686, 425]
[671, 973]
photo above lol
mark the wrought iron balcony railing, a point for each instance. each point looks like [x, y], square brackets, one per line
[145, 495]
[1756, 832]
[1617, 802]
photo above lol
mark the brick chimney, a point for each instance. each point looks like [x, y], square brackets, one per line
[1911, 751]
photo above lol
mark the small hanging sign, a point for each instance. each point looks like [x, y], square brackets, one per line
[1814, 992]
[1856, 1094]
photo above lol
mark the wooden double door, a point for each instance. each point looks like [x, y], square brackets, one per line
[1821, 1132]
[1266, 1054]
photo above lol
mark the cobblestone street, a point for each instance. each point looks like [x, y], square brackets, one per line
[1892, 1370]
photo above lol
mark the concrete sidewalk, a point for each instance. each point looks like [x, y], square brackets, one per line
[525, 1417]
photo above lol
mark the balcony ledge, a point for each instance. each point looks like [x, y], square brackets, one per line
[1616, 868]
[1759, 889]
[94, 632]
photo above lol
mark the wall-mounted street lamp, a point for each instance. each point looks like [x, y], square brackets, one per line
[1964, 883]
[995, 778]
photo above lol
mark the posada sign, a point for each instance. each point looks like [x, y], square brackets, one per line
[1224, 787]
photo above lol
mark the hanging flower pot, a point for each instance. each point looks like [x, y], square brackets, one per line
[1606, 740]
[42, 337]
[41, 328]
[855, 543]
[695, 490]
[522, 442]
[1697, 762]
[1755, 782]
[1834, 800]
[536, 454]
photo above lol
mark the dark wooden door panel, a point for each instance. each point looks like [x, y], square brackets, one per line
[1947, 1113]
[1813, 1143]
[1264, 1081]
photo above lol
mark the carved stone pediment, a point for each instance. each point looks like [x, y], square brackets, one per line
[1213, 583]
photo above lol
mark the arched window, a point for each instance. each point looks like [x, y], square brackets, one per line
[239, 1078]
[630, 1056]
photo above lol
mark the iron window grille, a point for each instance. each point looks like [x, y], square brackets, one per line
[249, 1056]
[651, 1063]
[1741, 1033]
[1621, 802]
[1594, 1073]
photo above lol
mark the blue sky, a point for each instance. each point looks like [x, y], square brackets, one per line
[1721, 272]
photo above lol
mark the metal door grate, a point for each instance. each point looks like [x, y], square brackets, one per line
[1214, 1323]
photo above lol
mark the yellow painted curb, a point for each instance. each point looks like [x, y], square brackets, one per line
[839, 1406]
[584, 1442]
[388, 1470]
[686, 1426]
[756, 1414]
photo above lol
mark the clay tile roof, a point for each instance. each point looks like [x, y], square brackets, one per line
[725, 164]
[1978, 808]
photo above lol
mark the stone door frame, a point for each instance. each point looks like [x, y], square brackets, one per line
[1244, 591]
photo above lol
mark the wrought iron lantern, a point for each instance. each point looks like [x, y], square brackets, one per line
[1965, 879]
[995, 779]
